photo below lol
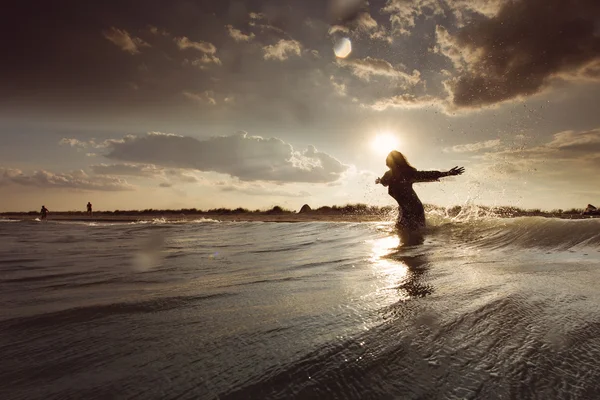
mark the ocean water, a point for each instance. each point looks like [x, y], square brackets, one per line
[486, 308]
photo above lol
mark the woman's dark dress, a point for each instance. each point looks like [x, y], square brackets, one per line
[400, 181]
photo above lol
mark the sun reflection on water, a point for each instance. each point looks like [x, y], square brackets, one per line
[391, 273]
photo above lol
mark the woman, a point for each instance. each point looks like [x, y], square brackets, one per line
[399, 179]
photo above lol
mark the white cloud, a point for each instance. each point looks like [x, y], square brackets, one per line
[407, 101]
[338, 28]
[124, 40]
[205, 47]
[73, 143]
[249, 158]
[238, 35]
[81, 144]
[282, 50]
[367, 67]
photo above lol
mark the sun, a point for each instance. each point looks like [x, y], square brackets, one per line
[383, 143]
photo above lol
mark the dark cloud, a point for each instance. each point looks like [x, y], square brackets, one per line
[516, 52]
[74, 180]
[249, 158]
[345, 11]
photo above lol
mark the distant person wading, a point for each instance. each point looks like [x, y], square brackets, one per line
[44, 212]
[399, 179]
[89, 209]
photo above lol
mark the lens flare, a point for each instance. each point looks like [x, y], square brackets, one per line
[343, 48]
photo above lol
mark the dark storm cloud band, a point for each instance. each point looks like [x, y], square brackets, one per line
[519, 50]
[249, 158]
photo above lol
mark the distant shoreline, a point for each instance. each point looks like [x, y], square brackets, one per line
[217, 217]
[348, 213]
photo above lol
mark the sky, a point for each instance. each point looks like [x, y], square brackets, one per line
[206, 104]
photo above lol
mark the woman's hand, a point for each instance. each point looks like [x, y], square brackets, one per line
[377, 181]
[456, 171]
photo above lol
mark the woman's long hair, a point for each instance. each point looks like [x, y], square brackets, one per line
[396, 161]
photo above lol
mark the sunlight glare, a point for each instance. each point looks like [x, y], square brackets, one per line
[390, 272]
[383, 143]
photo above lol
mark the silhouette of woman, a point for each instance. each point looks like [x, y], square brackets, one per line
[400, 178]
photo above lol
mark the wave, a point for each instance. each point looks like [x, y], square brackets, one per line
[496, 233]
[96, 311]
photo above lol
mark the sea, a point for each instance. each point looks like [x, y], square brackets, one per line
[485, 308]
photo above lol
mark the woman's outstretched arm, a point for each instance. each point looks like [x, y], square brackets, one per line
[432, 176]
[385, 179]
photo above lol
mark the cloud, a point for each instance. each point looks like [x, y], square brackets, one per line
[365, 22]
[262, 190]
[80, 144]
[362, 23]
[472, 147]
[570, 154]
[208, 97]
[157, 31]
[407, 101]
[249, 158]
[403, 13]
[367, 67]
[338, 28]
[124, 40]
[586, 142]
[74, 180]
[340, 88]
[257, 16]
[521, 49]
[73, 143]
[185, 43]
[203, 62]
[142, 170]
[282, 50]
[145, 171]
[237, 35]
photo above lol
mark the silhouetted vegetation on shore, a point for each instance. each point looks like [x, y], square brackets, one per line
[348, 209]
